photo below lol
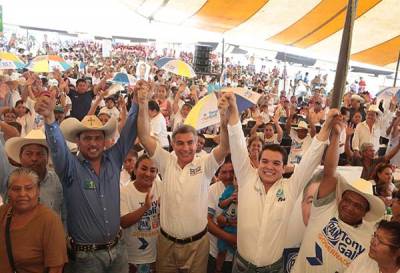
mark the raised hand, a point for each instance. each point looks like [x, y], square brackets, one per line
[350, 130]
[142, 90]
[148, 200]
[45, 106]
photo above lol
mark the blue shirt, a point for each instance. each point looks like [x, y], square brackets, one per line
[80, 103]
[93, 202]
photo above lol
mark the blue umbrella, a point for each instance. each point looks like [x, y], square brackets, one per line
[162, 61]
[124, 78]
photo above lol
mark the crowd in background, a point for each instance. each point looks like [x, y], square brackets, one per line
[154, 206]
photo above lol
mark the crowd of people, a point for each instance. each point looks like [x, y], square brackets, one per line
[94, 180]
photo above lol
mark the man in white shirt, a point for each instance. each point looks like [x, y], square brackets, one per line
[158, 124]
[341, 221]
[182, 245]
[265, 198]
[225, 177]
[370, 130]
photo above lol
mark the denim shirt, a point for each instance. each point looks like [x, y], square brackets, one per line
[92, 201]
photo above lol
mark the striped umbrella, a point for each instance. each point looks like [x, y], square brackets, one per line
[179, 68]
[10, 61]
[48, 63]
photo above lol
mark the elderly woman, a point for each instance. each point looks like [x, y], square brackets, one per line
[34, 235]
[384, 251]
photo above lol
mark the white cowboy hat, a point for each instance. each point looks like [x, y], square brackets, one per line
[302, 125]
[13, 145]
[71, 127]
[374, 108]
[357, 97]
[365, 189]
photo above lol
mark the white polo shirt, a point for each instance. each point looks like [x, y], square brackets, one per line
[214, 194]
[184, 193]
[263, 217]
[329, 244]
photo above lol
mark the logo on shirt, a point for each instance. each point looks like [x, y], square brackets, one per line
[339, 244]
[289, 258]
[280, 194]
[194, 171]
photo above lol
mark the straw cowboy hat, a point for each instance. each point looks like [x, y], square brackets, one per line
[72, 127]
[13, 145]
[365, 189]
[301, 125]
[374, 108]
[357, 97]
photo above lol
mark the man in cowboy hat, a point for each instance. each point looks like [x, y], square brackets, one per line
[357, 105]
[371, 129]
[91, 185]
[31, 152]
[342, 218]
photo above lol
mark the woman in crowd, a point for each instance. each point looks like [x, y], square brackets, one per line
[162, 100]
[384, 251]
[140, 213]
[396, 207]
[254, 146]
[382, 177]
[34, 235]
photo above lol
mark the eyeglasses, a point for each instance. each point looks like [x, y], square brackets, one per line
[375, 238]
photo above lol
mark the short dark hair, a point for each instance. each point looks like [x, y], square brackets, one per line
[16, 125]
[153, 106]
[79, 81]
[344, 110]
[227, 160]
[184, 129]
[393, 229]
[140, 159]
[275, 148]
[201, 136]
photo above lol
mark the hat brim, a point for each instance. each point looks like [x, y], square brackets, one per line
[13, 146]
[71, 127]
[376, 205]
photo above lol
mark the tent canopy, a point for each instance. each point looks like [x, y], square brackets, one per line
[315, 25]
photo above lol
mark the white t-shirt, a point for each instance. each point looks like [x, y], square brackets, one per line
[329, 244]
[141, 238]
[364, 264]
[113, 112]
[214, 193]
[271, 140]
[124, 178]
[298, 147]
[158, 126]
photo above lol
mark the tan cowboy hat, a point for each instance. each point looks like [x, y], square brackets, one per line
[301, 125]
[71, 127]
[374, 108]
[357, 97]
[365, 189]
[13, 145]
